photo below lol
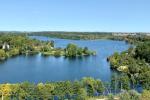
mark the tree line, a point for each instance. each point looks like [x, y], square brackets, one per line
[84, 89]
[74, 35]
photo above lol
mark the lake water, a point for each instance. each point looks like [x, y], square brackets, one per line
[42, 69]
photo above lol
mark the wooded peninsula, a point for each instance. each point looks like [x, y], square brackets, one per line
[18, 44]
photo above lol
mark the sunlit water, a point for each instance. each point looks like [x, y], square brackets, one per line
[42, 69]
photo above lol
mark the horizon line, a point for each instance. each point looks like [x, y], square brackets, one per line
[76, 31]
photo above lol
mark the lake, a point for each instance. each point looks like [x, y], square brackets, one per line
[37, 68]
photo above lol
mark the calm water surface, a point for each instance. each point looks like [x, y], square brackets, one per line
[42, 69]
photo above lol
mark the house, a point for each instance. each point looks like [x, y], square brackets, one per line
[5, 46]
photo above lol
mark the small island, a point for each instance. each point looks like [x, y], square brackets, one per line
[72, 50]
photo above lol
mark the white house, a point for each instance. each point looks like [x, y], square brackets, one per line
[5, 46]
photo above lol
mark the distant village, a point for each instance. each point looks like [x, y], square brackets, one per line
[130, 34]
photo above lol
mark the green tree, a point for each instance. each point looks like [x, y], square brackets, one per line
[5, 90]
[88, 83]
[79, 51]
[143, 51]
[52, 44]
[145, 80]
[44, 90]
[26, 91]
[124, 82]
[86, 50]
[81, 94]
[99, 86]
[114, 82]
[2, 54]
[71, 50]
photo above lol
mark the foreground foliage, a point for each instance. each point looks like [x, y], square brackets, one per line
[85, 89]
[77, 90]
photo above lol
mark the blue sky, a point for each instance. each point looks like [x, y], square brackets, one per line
[75, 15]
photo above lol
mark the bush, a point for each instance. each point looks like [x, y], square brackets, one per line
[145, 95]
[57, 53]
[129, 95]
[2, 54]
[13, 52]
